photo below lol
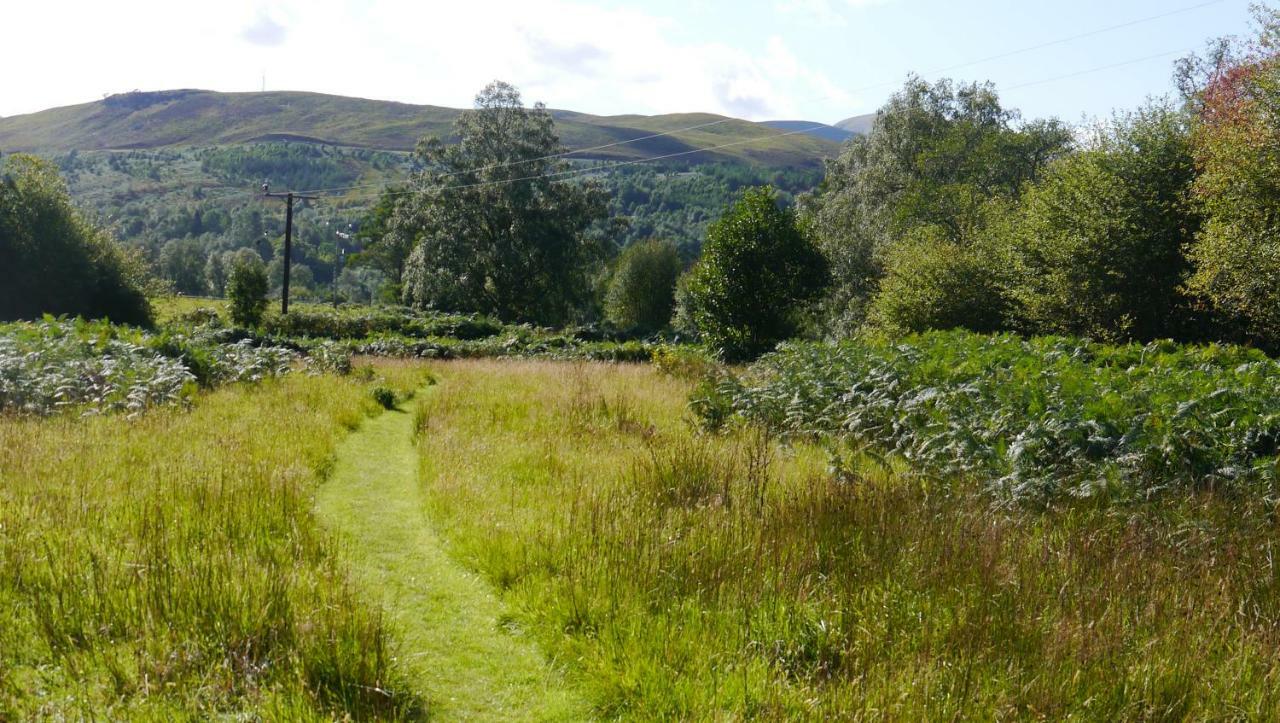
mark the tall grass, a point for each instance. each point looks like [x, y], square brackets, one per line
[168, 567]
[691, 576]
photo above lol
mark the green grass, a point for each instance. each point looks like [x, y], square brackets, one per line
[455, 639]
[169, 567]
[691, 576]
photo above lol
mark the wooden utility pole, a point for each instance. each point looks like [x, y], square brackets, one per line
[288, 240]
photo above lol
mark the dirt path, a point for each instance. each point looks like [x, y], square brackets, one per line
[465, 664]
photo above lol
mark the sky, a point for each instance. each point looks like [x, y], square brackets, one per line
[817, 60]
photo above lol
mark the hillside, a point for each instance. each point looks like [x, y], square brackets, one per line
[191, 118]
[818, 130]
[858, 124]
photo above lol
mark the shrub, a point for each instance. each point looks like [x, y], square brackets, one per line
[932, 282]
[641, 294]
[53, 260]
[247, 289]
[1098, 243]
[758, 270]
[384, 396]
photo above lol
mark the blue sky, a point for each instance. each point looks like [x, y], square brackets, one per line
[819, 60]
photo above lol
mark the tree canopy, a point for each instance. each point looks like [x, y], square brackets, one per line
[494, 229]
[936, 157]
[758, 271]
[53, 260]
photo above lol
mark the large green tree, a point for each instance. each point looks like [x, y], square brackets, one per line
[1097, 246]
[1235, 94]
[641, 293]
[936, 157]
[54, 260]
[758, 272]
[494, 227]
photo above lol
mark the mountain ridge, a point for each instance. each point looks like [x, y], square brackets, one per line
[193, 117]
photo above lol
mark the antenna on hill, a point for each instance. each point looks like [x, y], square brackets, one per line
[264, 81]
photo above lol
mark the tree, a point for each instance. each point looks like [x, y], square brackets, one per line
[1236, 98]
[937, 155]
[757, 272]
[1098, 244]
[386, 246]
[53, 260]
[182, 262]
[494, 230]
[641, 293]
[247, 288]
[215, 274]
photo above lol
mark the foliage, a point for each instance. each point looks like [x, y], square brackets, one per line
[495, 231]
[384, 396]
[931, 282]
[295, 166]
[53, 260]
[679, 202]
[758, 270]
[641, 292]
[936, 157]
[247, 289]
[1237, 147]
[95, 367]
[1035, 419]
[1097, 244]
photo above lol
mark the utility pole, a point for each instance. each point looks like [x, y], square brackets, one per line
[288, 240]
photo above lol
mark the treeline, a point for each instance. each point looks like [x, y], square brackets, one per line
[1157, 223]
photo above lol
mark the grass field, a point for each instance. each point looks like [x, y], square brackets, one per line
[169, 567]
[539, 540]
[700, 577]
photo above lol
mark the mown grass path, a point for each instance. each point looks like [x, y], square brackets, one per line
[463, 662]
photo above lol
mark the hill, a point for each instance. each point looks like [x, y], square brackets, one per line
[813, 128]
[858, 124]
[195, 118]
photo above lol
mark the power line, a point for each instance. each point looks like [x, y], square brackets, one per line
[1097, 69]
[1048, 44]
[595, 169]
[561, 154]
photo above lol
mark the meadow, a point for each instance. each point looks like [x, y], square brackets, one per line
[688, 575]
[833, 532]
[169, 567]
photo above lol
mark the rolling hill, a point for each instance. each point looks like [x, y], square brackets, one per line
[193, 118]
[819, 130]
[858, 124]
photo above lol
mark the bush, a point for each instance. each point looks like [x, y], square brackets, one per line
[758, 270]
[933, 283]
[1098, 243]
[247, 289]
[1237, 148]
[384, 396]
[53, 260]
[641, 294]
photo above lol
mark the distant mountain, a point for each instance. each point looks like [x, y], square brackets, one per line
[174, 118]
[859, 124]
[813, 128]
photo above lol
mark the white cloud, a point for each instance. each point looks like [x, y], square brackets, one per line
[264, 31]
[569, 53]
